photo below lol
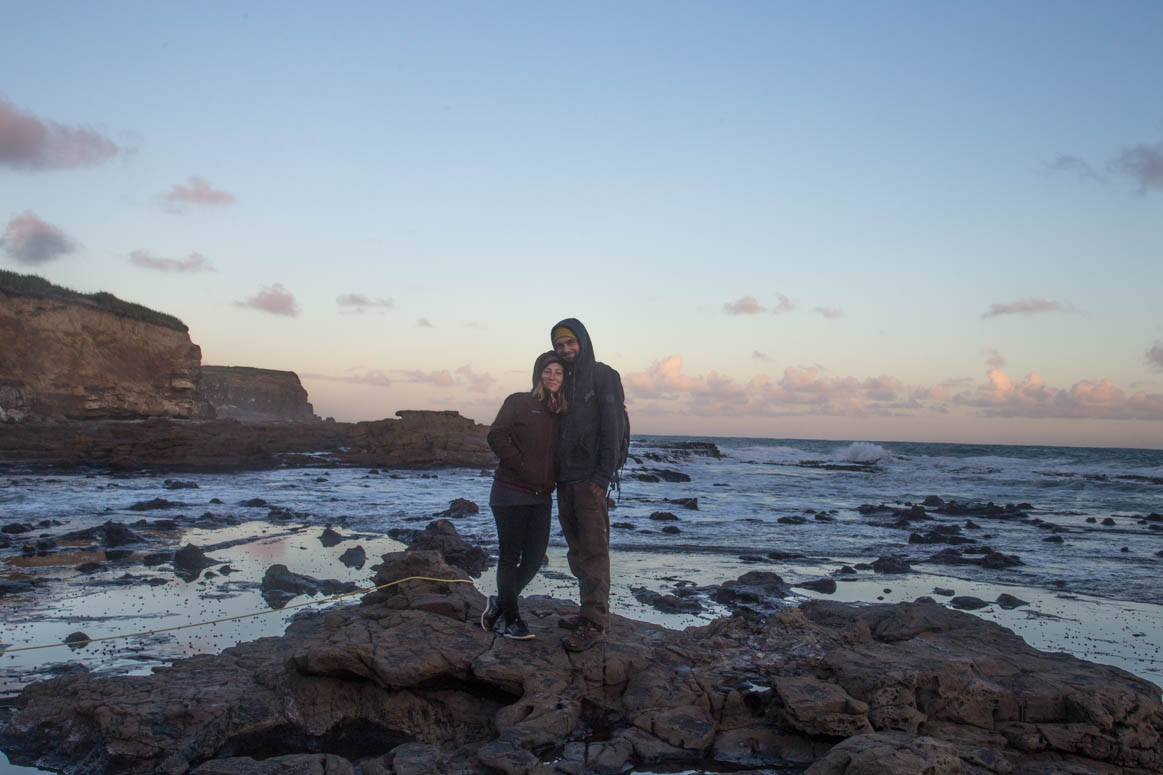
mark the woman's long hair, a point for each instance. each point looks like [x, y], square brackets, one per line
[542, 395]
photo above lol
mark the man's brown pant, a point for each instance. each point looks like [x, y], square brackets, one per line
[585, 521]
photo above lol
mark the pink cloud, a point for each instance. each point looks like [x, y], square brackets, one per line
[993, 358]
[1094, 399]
[477, 383]
[829, 312]
[746, 305]
[30, 143]
[29, 240]
[785, 304]
[1143, 164]
[1026, 307]
[195, 262]
[357, 302]
[441, 378]
[274, 299]
[374, 378]
[1155, 355]
[196, 192]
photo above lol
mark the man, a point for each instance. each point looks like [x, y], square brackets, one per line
[587, 455]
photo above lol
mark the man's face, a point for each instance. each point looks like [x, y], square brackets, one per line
[566, 348]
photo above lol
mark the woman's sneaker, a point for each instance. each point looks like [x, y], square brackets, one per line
[516, 630]
[491, 614]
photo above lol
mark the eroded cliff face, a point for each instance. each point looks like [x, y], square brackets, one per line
[73, 360]
[256, 395]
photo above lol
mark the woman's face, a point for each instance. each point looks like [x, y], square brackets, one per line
[552, 376]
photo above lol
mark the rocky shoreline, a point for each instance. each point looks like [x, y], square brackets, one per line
[407, 682]
[418, 439]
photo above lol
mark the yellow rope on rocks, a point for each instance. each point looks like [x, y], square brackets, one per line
[330, 599]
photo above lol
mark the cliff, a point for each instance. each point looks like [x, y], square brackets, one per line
[256, 395]
[72, 356]
[419, 439]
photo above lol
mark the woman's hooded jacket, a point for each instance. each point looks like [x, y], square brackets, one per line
[524, 437]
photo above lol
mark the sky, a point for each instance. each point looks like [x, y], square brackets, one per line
[927, 221]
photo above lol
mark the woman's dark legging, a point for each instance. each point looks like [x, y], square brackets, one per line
[523, 532]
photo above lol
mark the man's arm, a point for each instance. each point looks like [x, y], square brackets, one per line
[610, 428]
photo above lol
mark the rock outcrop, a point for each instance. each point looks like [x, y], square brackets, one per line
[256, 395]
[75, 358]
[407, 681]
[418, 440]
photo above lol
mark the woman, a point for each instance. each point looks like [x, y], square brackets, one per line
[524, 436]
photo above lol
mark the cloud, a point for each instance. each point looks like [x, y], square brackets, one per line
[1071, 164]
[760, 356]
[29, 240]
[993, 358]
[477, 383]
[423, 323]
[274, 299]
[829, 312]
[1090, 399]
[1143, 164]
[374, 378]
[30, 143]
[195, 262]
[1026, 307]
[442, 378]
[1155, 354]
[196, 192]
[747, 305]
[358, 303]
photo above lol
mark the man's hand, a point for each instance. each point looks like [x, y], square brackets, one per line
[597, 490]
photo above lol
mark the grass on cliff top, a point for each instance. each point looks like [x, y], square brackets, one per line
[40, 288]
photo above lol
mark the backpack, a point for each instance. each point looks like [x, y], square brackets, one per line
[623, 449]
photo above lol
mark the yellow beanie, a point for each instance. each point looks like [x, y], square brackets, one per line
[561, 331]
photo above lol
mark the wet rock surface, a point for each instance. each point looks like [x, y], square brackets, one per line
[407, 681]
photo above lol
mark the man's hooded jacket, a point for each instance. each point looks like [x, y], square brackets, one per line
[591, 430]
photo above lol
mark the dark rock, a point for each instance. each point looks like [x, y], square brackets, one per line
[155, 503]
[354, 557]
[822, 517]
[1008, 601]
[778, 555]
[754, 594]
[827, 586]
[932, 501]
[1153, 517]
[118, 555]
[752, 558]
[651, 478]
[1054, 539]
[406, 682]
[176, 484]
[108, 534]
[216, 501]
[663, 516]
[156, 558]
[1108, 522]
[671, 529]
[16, 528]
[253, 503]
[14, 586]
[77, 640]
[686, 503]
[999, 560]
[889, 564]
[846, 570]
[279, 585]
[670, 476]
[1091, 520]
[967, 603]
[460, 507]
[943, 592]
[623, 525]
[190, 561]
[89, 568]
[329, 538]
[971, 525]
[792, 520]
[671, 604]
[441, 536]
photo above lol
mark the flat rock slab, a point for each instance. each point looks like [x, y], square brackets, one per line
[407, 681]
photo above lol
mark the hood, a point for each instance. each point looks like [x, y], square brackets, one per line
[543, 360]
[585, 355]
